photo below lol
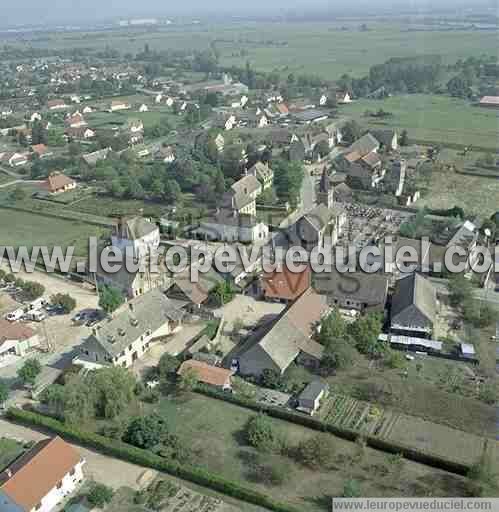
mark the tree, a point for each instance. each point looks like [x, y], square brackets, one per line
[113, 389]
[223, 293]
[146, 431]
[188, 380]
[65, 301]
[316, 452]
[259, 433]
[271, 379]
[54, 397]
[4, 392]
[404, 138]
[168, 365]
[29, 372]
[352, 131]
[365, 332]
[338, 355]
[110, 299]
[32, 290]
[288, 178]
[100, 495]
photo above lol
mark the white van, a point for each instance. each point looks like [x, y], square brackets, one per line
[15, 315]
[35, 316]
[38, 303]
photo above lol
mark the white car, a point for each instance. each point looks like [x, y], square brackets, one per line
[409, 357]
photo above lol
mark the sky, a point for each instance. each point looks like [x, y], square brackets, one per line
[75, 11]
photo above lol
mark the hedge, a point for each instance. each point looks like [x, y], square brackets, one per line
[375, 442]
[129, 453]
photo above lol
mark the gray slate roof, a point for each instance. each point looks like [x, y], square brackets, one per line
[364, 145]
[150, 312]
[290, 334]
[320, 216]
[313, 390]
[414, 301]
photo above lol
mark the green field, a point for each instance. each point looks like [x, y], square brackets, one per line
[152, 118]
[31, 229]
[431, 118]
[321, 48]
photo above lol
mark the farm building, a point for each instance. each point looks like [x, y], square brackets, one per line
[207, 374]
[490, 102]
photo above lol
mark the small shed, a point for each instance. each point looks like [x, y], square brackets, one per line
[468, 350]
[310, 398]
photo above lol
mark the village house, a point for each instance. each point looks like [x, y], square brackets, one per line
[286, 339]
[343, 97]
[263, 173]
[143, 108]
[91, 159]
[57, 104]
[309, 400]
[14, 159]
[17, 339]
[128, 335]
[165, 153]
[388, 139]
[489, 102]
[35, 116]
[414, 307]
[356, 291]
[57, 182]
[226, 121]
[207, 374]
[79, 133]
[40, 479]
[285, 286]
[75, 120]
[87, 110]
[117, 105]
[137, 235]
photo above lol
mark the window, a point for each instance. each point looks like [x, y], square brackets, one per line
[72, 472]
[59, 485]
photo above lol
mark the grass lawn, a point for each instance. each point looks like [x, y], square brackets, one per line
[151, 118]
[30, 229]
[431, 118]
[10, 450]
[212, 428]
[475, 194]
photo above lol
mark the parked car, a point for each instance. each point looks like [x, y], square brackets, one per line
[13, 316]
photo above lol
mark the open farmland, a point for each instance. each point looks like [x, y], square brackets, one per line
[431, 118]
[16, 228]
[324, 48]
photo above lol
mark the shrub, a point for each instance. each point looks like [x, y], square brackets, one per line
[351, 489]
[146, 431]
[259, 433]
[316, 452]
[100, 495]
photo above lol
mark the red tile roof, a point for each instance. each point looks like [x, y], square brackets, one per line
[206, 373]
[58, 181]
[14, 331]
[285, 285]
[38, 471]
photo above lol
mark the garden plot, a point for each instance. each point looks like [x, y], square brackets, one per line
[348, 412]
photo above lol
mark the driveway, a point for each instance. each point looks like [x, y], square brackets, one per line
[113, 472]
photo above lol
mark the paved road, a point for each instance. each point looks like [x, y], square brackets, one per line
[14, 182]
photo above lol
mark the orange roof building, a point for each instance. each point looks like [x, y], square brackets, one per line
[58, 182]
[207, 374]
[285, 286]
[42, 477]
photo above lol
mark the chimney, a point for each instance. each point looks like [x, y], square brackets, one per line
[8, 472]
[131, 306]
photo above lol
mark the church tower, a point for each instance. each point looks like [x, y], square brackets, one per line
[326, 191]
